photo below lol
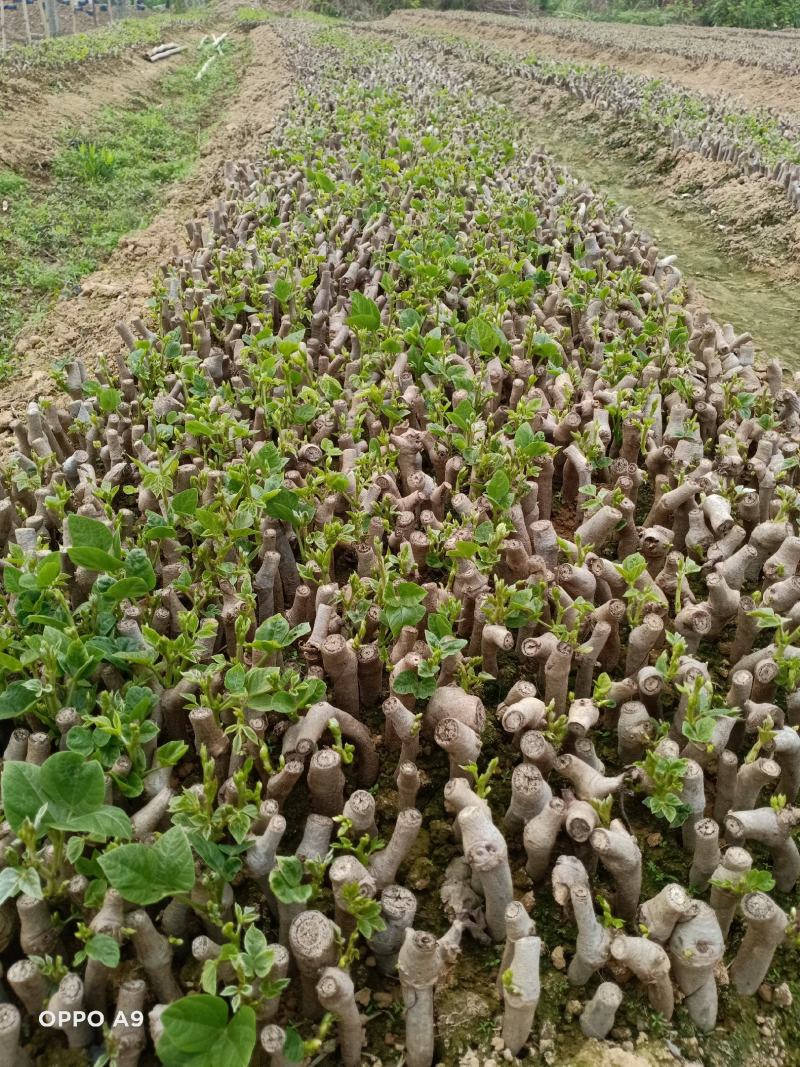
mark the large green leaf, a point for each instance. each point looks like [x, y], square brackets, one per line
[71, 792]
[185, 503]
[22, 798]
[286, 505]
[199, 1033]
[71, 786]
[138, 565]
[19, 697]
[144, 874]
[365, 314]
[88, 533]
[95, 559]
[105, 822]
[484, 336]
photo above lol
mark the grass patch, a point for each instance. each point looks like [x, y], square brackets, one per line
[107, 180]
[253, 16]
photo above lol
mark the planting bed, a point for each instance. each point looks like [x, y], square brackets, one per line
[685, 160]
[710, 51]
[401, 641]
[762, 144]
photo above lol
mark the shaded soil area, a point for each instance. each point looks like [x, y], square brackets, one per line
[84, 325]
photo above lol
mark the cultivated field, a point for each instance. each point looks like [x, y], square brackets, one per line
[400, 545]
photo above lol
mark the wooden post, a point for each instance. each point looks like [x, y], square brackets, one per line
[73, 14]
[45, 27]
[27, 21]
[53, 27]
[3, 44]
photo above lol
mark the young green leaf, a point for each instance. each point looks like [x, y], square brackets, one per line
[171, 753]
[275, 633]
[145, 874]
[294, 1048]
[365, 314]
[16, 880]
[104, 949]
[286, 881]
[498, 489]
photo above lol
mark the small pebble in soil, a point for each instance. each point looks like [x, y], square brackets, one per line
[25, 344]
[558, 959]
[782, 996]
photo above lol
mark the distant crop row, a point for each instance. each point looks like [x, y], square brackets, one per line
[756, 142]
[767, 49]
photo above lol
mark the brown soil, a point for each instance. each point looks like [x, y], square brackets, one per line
[756, 87]
[751, 213]
[753, 220]
[84, 326]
